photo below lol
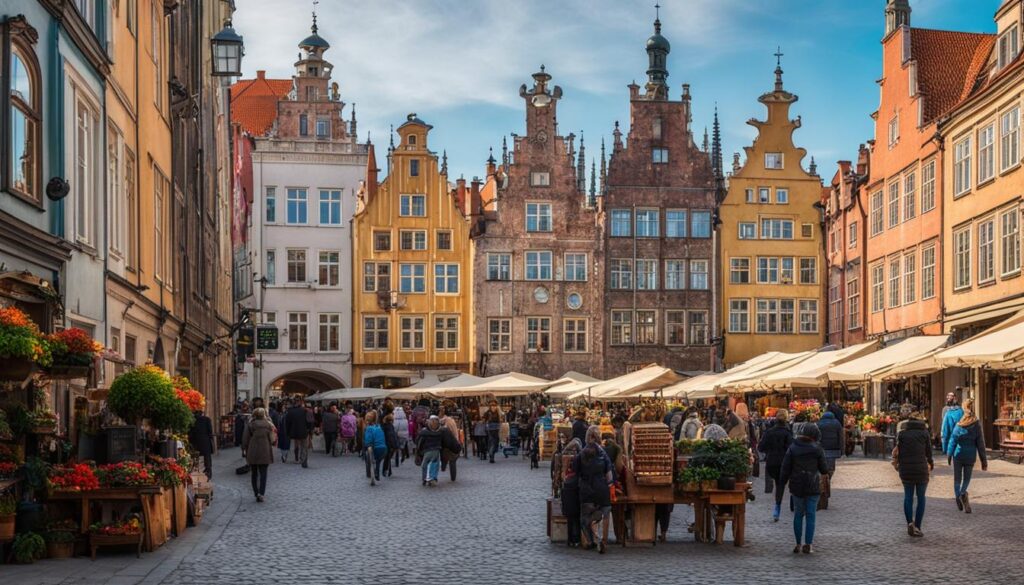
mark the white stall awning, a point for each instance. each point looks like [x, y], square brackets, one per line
[1001, 347]
[811, 372]
[875, 365]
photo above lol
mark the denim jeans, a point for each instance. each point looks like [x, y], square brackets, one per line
[258, 473]
[806, 507]
[377, 454]
[431, 463]
[493, 441]
[909, 489]
[961, 477]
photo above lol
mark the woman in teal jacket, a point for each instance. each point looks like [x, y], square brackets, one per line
[376, 446]
[966, 445]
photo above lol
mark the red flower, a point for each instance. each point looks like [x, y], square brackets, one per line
[77, 477]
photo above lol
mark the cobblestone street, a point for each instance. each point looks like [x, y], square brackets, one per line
[325, 524]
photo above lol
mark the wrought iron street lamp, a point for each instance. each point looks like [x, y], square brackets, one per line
[227, 52]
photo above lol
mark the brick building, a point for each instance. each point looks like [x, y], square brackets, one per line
[845, 238]
[659, 199]
[539, 254]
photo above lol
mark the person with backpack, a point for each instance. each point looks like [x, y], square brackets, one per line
[348, 428]
[330, 422]
[912, 457]
[376, 446]
[966, 446]
[692, 427]
[802, 468]
[775, 444]
[391, 440]
[429, 442]
[492, 423]
[833, 441]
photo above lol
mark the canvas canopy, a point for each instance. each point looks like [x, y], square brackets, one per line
[700, 386]
[510, 384]
[1001, 347]
[354, 394]
[571, 383]
[652, 377]
[810, 372]
[875, 365]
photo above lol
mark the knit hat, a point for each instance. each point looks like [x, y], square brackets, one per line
[811, 431]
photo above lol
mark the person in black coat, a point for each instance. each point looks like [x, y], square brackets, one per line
[201, 438]
[391, 440]
[580, 426]
[802, 468]
[297, 426]
[774, 444]
[914, 462]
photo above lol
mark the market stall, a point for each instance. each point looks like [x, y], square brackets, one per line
[632, 384]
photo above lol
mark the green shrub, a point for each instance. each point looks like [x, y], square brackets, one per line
[28, 547]
[136, 394]
[8, 505]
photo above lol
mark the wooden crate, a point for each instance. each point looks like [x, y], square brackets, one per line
[653, 455]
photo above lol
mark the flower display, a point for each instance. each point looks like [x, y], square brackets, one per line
[7, 469]
[43, 418]
[168, 472]
[810, 408]
[125, 528]
[147, 392]
[125, 474]
[20, 338]
[78, 477]
[8, 454]
[192, 398]
[73, 346]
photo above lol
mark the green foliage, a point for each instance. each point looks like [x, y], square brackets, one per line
[28, 547]
[692, 474]
[141, 393]
[730, 457]
[687, 446]
[170, 413]
[37, 472]
[8, 505]
[60, 536]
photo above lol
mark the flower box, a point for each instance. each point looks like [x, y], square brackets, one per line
[98, 540]
[60, 550]
[67, 372]
[15, 369]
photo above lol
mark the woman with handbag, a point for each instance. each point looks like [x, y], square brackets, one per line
[258, 440]
[912, 457]
[966, 446]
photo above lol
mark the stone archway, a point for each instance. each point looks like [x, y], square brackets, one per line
[304, 382]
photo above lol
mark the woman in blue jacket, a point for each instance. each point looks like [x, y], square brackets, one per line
[966, 445]
[376, 446]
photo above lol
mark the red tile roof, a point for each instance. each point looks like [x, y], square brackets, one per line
[948, 64]
[254, 102]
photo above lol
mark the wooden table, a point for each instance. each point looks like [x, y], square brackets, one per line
[704, 504]
[128, 494]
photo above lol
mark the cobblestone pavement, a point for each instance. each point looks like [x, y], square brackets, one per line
[325, 524]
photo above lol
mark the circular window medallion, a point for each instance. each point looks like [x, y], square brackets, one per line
[541, 294]
[574, 301]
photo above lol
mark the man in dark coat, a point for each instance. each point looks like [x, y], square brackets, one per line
[201, 438]
[774, 444]
[297, 426]
[837, 411]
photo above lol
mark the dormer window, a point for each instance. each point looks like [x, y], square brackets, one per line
[411, 140]
[773, 161]
[1009, 46]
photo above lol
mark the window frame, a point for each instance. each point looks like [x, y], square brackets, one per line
[503, 337]
[575, 334]
[659, 155]
[617, 268]
[539, 265]
[572, 266]
[332, 205]
[504, 268]
[736, 311]
[675, 328]
[736, 269]
[335, 325]
[298, 322]
[321, 264]
[412, 278]
[986, 153]
[678, 227]
[536, 336]
[300, 265]
[411, 332]
[31, 110]
[618, 218]
[675, 274]
[781, 158]
[986, 238]
[962, 161]
[1011, 250]
[539, 217]
[407, 204]
[418, 244]
[301, 205]
[651, 229]
[910, 278]
[928, 272]
[376, 332]
[1009, 139]
[447, 278]
[447, 333]
[694, 273]
[962, 266]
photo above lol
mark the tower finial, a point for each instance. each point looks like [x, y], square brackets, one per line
[314, 28]
[657, 18]
[444, 162]
[778, 69]
[504, 153]
[490, 155]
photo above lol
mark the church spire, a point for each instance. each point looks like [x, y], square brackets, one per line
[658, 49]
[616, 138]
[592, 200]
[444, 162]
[604, 167]
[352, 129]
[707, 145]
[581, 167]
[778, 70]
[716, 147]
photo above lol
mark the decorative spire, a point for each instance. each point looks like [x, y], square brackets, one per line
[604, 166]
[444, 162]
[657, 18]
[352, 129]
[314, 28]
[592, 200]
[778, 69]
[897, 15]
[616, 138]
[504, 153]
[735, 163]
[581, 167]
[716, 146]
[814, 167]
[658, 49]
[391, 146]
[707, 145]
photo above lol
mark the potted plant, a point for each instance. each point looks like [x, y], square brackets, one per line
[60, 544]
[73, 353]
[147, 393]
[43, 421]
[77, 477]
[28, 548]
[8, 512]
[22, 346]
[125, 474]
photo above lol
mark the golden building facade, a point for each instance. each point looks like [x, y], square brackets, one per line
[771, 242]
[412, 268]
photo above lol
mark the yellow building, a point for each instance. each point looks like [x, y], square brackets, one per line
[412, 268]
[140, 284]
[771, 243]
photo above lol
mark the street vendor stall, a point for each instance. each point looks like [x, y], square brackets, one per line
[873, 366]
[571, 384]
[631, 385]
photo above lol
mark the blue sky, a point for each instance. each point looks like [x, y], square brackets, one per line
[459, 63]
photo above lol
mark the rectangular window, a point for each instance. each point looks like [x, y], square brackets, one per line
[807, 230]
[375, 333]
[412, 278]
[499, 335]
[962, 259]
[739, 270]
[270, 273]
[909, 278]
[962, 167]
[675, 327]
[928, 187]
[323, 128]
[808, 316]
[270, 204]
[698, 321]
[499, 267]
[894, 204]
[675, 274]
[782, 196]
[909, 196]
[414, 167]
[853, 302]
[376, 276]
[540, 179]
[928, 272]
[699, 274]
[83, 183]
[115, 191]
[776, 229]
[894, 131]
[575, 267]
[877, 287]
[1009, 139]
[538, 265]
[986, 251]
[330, 267]
[446, 279]
[876, 213]
[622, 223]
[574, 335]
[1009, 46]
[622, 327]
[621, 272]
[444, 240]
[787, 316]
[330, 207]
[298, 331]
[296, 266]
[646, 327]
[412, 206]
[446, 333]
[986, 153]
[538, 334]
[700, 225]
[659, 155]
[836, 304]
[853, 235]
[381, 241]
[767, 270]
[296, 206]
[748, 231]
[647, 274]
[132, 198]
[767, 315]
[786, 270]
[764, 195]
[1009, 246]
[647, 222]
[160, 251]
[413, 333]
[303, 124]
[412, 240]
[808, 271]
[330, 332]
[894, 282]
[675, 223]
[773, 161]
[751, 198]
[739, 316]
[538, 217]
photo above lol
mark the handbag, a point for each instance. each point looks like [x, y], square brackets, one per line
[896, 458]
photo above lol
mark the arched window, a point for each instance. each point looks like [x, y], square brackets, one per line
[25, 133]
